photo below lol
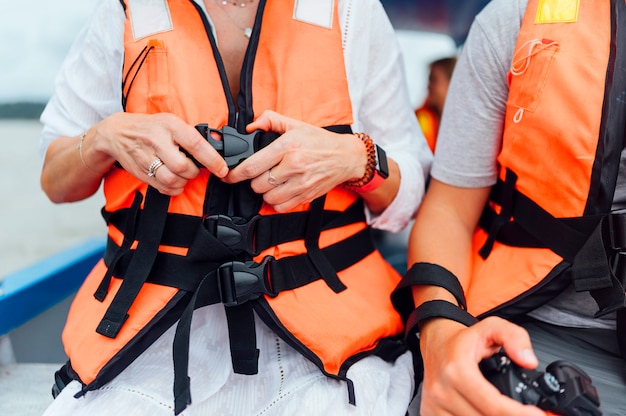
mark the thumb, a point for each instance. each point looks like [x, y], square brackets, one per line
[516, 343]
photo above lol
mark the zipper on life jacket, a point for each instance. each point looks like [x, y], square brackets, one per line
[220, 64]
[236, 199]
[245, 115]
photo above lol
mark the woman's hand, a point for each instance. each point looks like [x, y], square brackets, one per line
[137, 141]
[304, 163]
[453, 383]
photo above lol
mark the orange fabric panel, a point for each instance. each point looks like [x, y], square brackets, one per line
[312, 96]
[429, 123]
[507, 273]
[306, 312]
[90, 351]
[556, 118]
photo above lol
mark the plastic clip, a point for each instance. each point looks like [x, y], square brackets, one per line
[240, 282]
[234, 147]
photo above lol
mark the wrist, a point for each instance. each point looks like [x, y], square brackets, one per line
[376, 167]
[91, 157]
[81, 152]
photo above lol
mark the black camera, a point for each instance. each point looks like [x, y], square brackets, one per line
[563, 389]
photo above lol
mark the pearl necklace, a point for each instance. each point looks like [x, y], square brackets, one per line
[235, 3]
[247, 31]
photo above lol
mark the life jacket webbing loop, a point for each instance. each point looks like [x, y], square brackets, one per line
[242, 338]
[311, 241]
[152, 224]
[503, 217]
[129, 237]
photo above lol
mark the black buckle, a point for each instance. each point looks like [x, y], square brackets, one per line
[234, 147]
[239, 282]
[236, 233]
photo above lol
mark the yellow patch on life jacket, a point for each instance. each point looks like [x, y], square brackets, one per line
[557, 11]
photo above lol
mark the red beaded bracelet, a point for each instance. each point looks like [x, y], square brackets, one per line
[370, 165]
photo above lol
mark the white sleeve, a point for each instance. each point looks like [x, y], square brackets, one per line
[88, 86]
[381, 104]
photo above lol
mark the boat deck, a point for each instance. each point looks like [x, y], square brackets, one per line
[26, 388]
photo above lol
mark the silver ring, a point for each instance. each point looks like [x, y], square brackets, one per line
[156, 163]
[271, 178]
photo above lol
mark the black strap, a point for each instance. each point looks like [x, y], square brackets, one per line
[621, 331]
[284, 274]
[434, 309]
[242, 337]
[311, 241]
[532, 226]
[61, 379]
[129, 238]
[257, 234]
[504, 215]
[423, 273]
[152, 225]
[180, 355]
[295, 271]
[592, 244]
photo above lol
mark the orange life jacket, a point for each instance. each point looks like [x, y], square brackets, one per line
[318, 280]
[563, 134]
[429, 123]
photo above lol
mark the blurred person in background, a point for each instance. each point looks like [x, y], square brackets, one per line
[429, 114]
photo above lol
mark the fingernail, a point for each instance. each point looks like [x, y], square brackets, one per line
[529, 356]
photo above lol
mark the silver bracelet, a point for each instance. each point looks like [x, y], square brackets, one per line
[80, 151]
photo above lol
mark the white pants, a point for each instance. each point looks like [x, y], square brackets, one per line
[287, 383]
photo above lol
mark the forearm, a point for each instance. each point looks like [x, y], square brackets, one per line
[442, 234]
[73, 168]
[72, 172]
